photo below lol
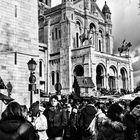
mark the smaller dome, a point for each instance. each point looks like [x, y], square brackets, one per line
[106, 9]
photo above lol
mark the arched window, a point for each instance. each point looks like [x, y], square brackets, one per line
[92, 32]
[40, 68]
[100, 41]
[107, 43]
[55, 33]
[53, 77]
[77, 40]
[100, 72]
[52, 35]
[78, 33]
[112, 78]
[57, 77]
[100, 49]
[124, 77]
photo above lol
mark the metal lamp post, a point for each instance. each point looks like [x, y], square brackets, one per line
[32, 79]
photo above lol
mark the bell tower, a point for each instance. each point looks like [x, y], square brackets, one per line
[67, 28]
[108, 22]
[106, 12]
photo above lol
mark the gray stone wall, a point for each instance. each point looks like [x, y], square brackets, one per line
[18, 44]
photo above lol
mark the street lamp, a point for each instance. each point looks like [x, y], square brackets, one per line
[32, 79]
[32, 65]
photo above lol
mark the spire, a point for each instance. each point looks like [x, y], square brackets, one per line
[106, 9]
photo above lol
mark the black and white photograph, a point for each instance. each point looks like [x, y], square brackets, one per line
[69, 69]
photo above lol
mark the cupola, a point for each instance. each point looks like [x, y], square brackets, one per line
[106, 9]
[107, 14]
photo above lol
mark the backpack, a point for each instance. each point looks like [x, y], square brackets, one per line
[92, 126]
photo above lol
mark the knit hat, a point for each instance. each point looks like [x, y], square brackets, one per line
[136, 111]
[34, 108]
[134, 103]
[113, 109]
[54, 97]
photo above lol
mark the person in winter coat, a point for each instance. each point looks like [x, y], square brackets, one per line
[13, 126]
[71, 127]
[132, 121]
[100, 116]
[112, 128]
[86, 117]
[57, 120]
[39, 120]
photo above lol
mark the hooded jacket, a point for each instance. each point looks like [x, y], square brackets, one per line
[111, 130]
[57, 120]
[131, 126]
[87, 115]
[17, 128]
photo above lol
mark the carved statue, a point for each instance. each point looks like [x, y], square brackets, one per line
[125, 46]
[87, 36]
[83, 38]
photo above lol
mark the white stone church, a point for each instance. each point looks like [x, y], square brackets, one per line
[70, 41]
[80, 44]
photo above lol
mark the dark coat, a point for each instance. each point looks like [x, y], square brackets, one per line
[86, 116]
[131, 126]
[57, 120]
[17, 128]
[71, 127]
[111, 130]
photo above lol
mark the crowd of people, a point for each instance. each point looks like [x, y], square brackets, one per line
[86, 119]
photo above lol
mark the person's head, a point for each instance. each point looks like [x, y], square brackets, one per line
[115, 112]
[135, 108]
[134, 103]
[84, 101]
[34, 109]
[13, 110]
[91, 100]
[54, 100]
[24, 110]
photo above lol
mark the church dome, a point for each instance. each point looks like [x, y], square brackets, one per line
[106, 9]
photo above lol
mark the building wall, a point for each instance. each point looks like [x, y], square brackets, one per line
[65, 55]
[18, 44]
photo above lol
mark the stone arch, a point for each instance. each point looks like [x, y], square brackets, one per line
[100, 76]
[78, 32]
[80, 21]
[41, 68]
[57, 76]
[114, 69]
[78, 70]
[112, 77]
[92, 33]
[124, 78]
[100, 41]
[102, 30]
[92, 26]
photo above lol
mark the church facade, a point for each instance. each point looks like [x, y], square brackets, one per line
[72, 40]
[79, 43]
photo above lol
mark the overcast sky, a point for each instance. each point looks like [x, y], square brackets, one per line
[125, 20]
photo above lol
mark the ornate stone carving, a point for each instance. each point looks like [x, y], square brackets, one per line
[56, 19]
